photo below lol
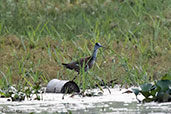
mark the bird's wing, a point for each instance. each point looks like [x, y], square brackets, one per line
[77, 64]
[84, 61]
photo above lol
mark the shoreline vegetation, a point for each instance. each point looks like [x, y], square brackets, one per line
[36, 36]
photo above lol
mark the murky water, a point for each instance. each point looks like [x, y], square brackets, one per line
[116, 102]
[91, 108]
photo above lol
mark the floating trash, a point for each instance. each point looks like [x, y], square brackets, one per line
[62, 86]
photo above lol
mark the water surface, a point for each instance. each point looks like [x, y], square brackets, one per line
[116, 102]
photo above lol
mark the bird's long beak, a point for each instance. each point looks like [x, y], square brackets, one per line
[105, 47]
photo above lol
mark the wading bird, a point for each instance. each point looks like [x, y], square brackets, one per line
[83, 63]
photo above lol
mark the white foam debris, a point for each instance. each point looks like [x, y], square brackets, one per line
[117, 94]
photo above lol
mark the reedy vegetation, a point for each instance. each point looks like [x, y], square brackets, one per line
[36, 36]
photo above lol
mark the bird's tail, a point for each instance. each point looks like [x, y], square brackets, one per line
[64, 64]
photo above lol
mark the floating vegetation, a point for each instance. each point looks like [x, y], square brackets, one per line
[21, 94]
[160, 91]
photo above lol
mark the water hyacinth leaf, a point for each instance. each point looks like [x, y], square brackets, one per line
[136, 91]
[146, 89]
[162, 97]
[163, 84]
[159, 92]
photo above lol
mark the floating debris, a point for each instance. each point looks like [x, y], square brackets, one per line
[62, 86]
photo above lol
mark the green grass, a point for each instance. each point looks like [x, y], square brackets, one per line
[36, 36]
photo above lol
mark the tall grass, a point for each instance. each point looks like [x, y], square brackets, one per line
[136, 33]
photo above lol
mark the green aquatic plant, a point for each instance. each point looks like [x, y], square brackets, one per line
[160, 91]
[21, 93]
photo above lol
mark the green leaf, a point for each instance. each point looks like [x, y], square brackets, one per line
[136, 91]
[163, 85]
[146, 87]
[2, 93]
[166, 76]
[162, 97]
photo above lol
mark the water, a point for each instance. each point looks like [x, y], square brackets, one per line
[116, 102]
[91, 108]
